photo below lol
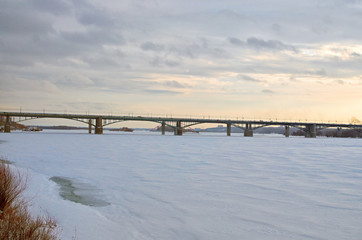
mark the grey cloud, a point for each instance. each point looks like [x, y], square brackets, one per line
[89, 14]
[51, 47]
[196, 50]
[150, 46]
[162, 92]
[276, 28]
[270, 44]
[174, 55]
[175, 84]
[267, 91]
[161, 62]
[293, 78]
[356, 55]
[125, 83]
[340, 82]
[227, 14]
[56, 7]
[95, 17]
[319, 72]
[93, 37]
[185, 51]
[236, 41]
[15, 61]
[74, 81]
[248, 78]
[107, 60]
[172, 63]
[28, 35]
[85, 106]
[15, 22]
[260, 44]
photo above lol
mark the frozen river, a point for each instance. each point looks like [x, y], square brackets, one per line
[196, 186]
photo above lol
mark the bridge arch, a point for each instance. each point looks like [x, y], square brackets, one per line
[64, 118]
[135, 120]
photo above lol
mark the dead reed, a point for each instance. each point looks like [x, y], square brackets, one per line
[16, 223]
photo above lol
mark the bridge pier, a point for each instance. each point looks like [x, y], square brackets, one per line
[228, 129]
[287, 131]
[178, 129]
[163, 128]
[90, 126]
[311, 131]
[248, 131]
[7, 124]
[339, 132]
[99, 126]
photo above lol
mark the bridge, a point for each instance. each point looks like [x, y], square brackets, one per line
[178, 124]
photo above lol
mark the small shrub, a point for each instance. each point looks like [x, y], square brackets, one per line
[16, 223]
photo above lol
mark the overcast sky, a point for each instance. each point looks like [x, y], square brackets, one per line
[253, 59]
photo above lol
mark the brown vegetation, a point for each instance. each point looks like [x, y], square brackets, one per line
[345, 133]
[16, 223]
[14, 125]
[302, 133]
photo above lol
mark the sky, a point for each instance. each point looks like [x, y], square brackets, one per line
[282, 59]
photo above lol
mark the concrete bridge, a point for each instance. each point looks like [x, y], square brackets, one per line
[178, 124]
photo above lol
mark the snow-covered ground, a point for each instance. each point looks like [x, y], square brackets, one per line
[198, 186]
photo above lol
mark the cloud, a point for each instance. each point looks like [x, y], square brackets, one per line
[276, 28]
[75, 80]
[270, 44]
[248, 78]
[161, 92]
[93, 37]
[260, 44]
[340, 82]
[356, 55]
[150, 46]
[56, 7]
[162, 62]
[318, 72]
[176, 84]
[20, 20]
[236, 41]
[267, 91]
[86, 106]
[88, 14]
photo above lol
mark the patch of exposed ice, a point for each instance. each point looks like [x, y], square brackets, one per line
[79, 192]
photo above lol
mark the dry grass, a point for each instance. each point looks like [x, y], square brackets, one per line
[16, 223]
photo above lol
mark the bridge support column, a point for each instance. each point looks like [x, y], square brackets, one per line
[90, 126]
[99, 126]
[287, 131]
[7, 124]
[228, 129]
[163, 128]
[248, 131]
[178, 129]
[339, 132]
[311, 131]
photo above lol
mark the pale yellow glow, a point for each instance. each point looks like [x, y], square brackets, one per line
[333, 50]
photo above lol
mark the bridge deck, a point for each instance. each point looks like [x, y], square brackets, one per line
[184, 120]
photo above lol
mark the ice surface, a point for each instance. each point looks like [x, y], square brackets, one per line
[195, 186]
